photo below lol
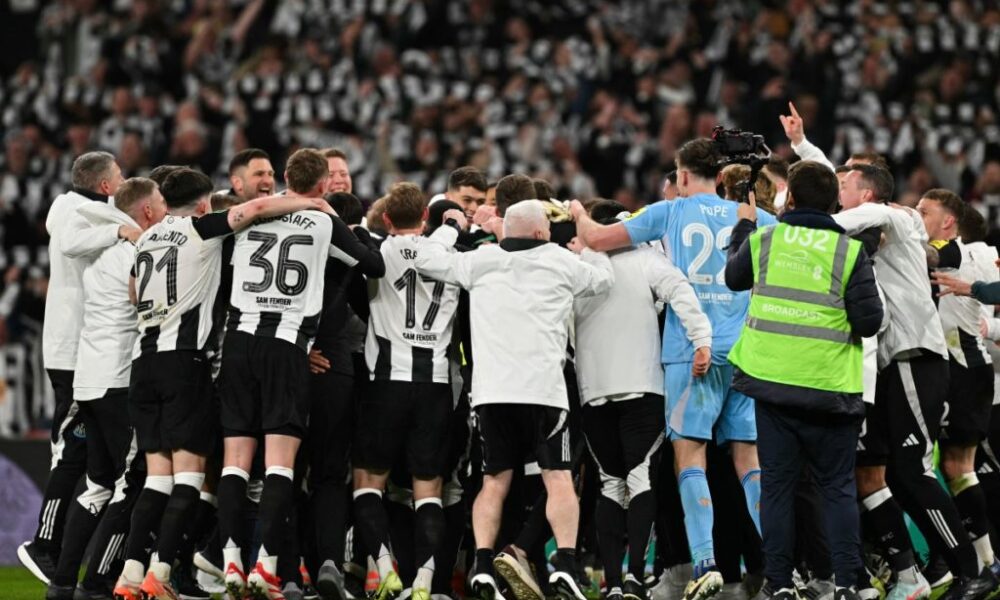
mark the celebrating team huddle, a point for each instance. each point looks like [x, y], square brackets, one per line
[286, 394]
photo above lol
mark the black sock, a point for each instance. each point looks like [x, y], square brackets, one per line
[80, 527]
[989, 479]
[885, 522]
[536, 526]
[641, 512]
[484, 560]
[199, 528]
[145, 524]
[177, 515]
[611, 524]
[447, 553]
[565, 560]
[428, 532]
[935, 514]
[371, 521]
[275, 508]
[971, 504]
[233, 503]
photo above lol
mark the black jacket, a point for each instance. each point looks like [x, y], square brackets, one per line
[861, 301]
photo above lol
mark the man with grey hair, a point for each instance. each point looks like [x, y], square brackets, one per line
[96, 178]
[525, 287]
[101, 391]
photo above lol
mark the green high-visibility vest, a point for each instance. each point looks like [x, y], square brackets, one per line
[796, 332]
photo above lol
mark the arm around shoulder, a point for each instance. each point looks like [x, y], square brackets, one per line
[81, 238]
[437, 260]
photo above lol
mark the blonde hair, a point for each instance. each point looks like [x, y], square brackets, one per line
[764, 190]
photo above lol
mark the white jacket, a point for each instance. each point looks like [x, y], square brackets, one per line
[110, 326]
[901, 268]
[617, 335]
[73, 243]
[520, 306]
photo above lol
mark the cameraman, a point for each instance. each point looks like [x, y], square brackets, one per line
[696, 228]
[811, 414]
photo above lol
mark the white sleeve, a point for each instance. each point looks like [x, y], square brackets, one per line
[670, 286]
[437, 261]
[79, 237]
[594, 274]
[808, 151]
[895, 223]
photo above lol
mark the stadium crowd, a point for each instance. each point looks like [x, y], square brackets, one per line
[593, 96]
[324, 338]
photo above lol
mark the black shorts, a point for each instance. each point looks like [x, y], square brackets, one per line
[904, 422]
[512, 433]
[263, 386]
[172, 402]
[401, 422]
[966, 419]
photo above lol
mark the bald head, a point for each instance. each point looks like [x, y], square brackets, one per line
[526, 220]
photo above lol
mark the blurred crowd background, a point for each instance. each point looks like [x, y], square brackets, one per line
[595, 96]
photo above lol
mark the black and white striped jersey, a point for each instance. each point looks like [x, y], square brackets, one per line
[960, 315]
[411, 319]
[177, 268]
[278, 267]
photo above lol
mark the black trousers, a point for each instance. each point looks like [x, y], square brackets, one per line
[69, 463]
[787, 441]
[328, 447]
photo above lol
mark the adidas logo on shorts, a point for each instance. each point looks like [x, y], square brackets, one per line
[911, 440]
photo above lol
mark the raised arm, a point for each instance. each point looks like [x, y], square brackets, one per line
[795, 132]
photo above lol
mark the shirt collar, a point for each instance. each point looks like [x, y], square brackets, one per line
[516, 244]
[98, 197]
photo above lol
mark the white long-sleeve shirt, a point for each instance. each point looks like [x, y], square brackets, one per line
[73, 243]
[104, 359]
[520, 305]
[617, 335]
[901, 267]
[806, 150]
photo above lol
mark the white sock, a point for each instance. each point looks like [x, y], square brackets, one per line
[425, 575]
[133, 571]
[231, 554]
[270, 563]
[984, 550]
[384, 562]
[160, 570]
[911, 575]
